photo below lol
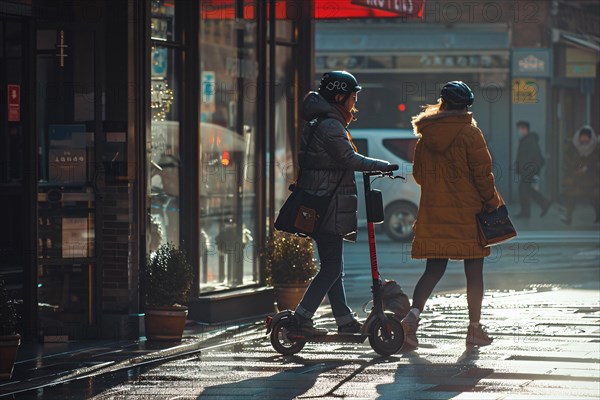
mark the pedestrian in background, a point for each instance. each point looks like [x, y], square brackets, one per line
[453, 166]
[528, 166]
[582, 173]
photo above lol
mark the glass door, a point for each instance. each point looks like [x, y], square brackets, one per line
[67, 116]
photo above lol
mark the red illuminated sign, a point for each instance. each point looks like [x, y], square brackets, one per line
[319, 9]
[14, 103]
[400, 7]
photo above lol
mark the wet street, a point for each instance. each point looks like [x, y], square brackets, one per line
[541, 305]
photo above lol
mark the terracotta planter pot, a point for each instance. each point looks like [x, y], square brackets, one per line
[8, 355]
[165, 323]
[288, 295]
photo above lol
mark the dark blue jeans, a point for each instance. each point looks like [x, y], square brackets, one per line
[329, 281]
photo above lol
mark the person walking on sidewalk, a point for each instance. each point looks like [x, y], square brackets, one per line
[453, 166]
[582, 169]
[528, 166]
[328, 162]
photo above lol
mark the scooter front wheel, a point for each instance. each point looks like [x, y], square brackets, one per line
[387, 339]
[280, 338]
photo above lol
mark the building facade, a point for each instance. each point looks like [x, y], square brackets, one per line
[131, 124]
[525, 60]
[128, 124]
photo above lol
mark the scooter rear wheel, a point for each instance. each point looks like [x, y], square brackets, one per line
[390, 343]
[280, 340]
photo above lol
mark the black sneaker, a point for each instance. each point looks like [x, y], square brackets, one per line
[307, 327]
[350, 327]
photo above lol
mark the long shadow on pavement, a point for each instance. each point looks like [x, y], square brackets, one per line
[287, 384]
[441, 381]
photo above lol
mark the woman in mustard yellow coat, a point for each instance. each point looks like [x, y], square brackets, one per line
[454, 169]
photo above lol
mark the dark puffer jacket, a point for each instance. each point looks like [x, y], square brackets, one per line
[529, 160]
[329, 159]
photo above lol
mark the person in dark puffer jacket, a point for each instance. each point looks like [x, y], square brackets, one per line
[329, 159]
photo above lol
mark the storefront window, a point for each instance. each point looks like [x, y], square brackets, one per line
[286, 98]
[228, 110]
[163, 152]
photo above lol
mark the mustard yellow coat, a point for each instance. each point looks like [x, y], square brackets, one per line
[453, 166]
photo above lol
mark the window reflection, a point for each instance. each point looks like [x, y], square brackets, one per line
[285, 103]
[227, 157]
[164, 154]
[67, 181]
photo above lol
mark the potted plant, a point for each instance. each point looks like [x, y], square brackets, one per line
[9, 339]
[166, 280]
[290, 267]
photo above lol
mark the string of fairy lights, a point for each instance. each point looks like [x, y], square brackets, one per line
[161, 99]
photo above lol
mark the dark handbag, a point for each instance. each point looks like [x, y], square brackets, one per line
[302, 213]
[495, 227]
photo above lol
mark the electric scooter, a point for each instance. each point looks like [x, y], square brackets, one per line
[383, 329]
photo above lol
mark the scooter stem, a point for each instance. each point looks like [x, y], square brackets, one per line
[371, 233]
[373, 253]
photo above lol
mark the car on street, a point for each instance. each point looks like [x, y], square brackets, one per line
[400, 198]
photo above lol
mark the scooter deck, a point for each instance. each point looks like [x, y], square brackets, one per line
[331, 338]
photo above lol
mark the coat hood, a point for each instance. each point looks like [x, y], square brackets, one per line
[587, 149]
[438, 129]
[314, 105]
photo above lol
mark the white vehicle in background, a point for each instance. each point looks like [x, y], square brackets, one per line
[400, 198]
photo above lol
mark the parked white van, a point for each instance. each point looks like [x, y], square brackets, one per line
[400, 198]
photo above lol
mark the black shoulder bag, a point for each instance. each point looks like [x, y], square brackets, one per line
[302, 213]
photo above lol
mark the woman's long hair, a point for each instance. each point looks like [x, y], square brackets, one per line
[431, 109]
[440, 105]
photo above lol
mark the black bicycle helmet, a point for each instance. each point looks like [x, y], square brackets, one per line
[457, 93]
[337, 82]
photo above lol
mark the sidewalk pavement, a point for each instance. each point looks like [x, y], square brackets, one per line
[547, 346]
[41, 365]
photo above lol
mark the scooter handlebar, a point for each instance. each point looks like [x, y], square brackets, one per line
[388, 172]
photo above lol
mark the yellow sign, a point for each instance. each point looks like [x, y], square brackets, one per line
[524, 91]
[581, 63]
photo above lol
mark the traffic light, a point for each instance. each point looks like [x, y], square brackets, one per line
[225, 160]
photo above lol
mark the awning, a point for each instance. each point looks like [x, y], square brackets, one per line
[587, 42]
[321, 9]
